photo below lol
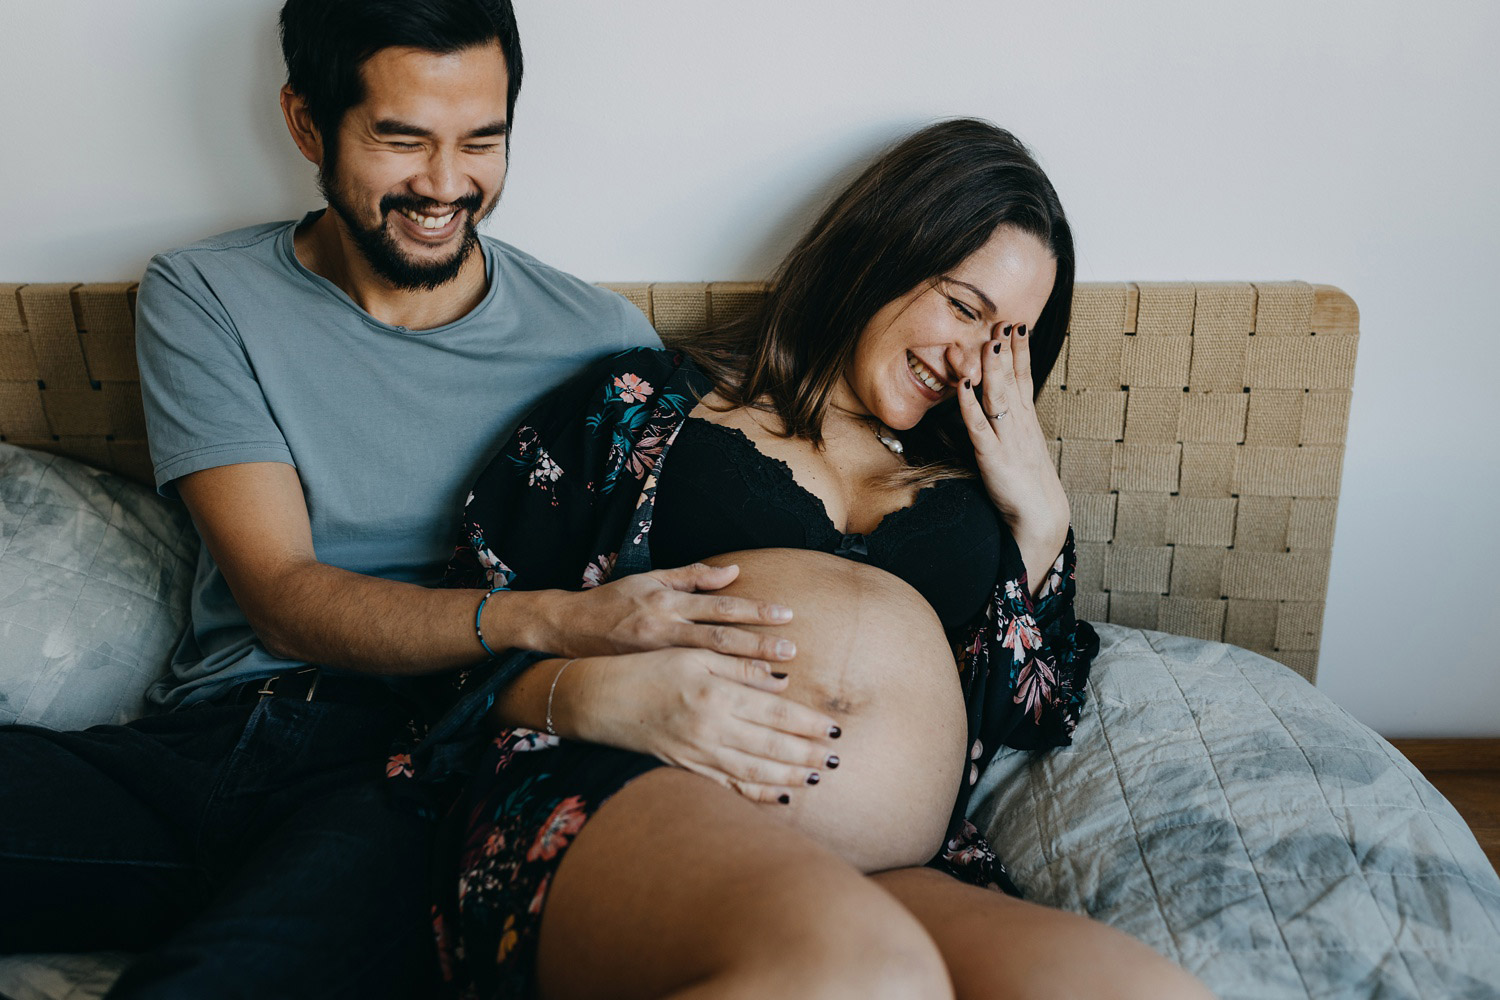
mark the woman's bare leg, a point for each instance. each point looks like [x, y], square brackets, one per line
[998, 947]
[678, 887]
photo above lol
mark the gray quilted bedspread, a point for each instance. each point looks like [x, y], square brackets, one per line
[1218, 807]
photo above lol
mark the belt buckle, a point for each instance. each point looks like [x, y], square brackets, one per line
[268, 687]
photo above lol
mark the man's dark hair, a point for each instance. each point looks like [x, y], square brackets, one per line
[325, 42]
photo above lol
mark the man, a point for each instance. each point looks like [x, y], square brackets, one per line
[320, 394]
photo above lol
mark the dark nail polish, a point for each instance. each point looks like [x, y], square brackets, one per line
[1020, 331]
[812, 779]
[834, 732]
[995, 349]
[1005, 330]
[785, 800]
[781, 676]
[967, 385]
[832, 762]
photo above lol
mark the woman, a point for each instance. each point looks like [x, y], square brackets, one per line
[866, 450]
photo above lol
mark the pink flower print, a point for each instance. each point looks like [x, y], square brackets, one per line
[565, 821]
[972, 650]
[1035, 687]
[1021, 635]
[544, 471]
[642, 459]
[596, 572]
[1054, 582]
[493, 843]
[968, 847]
[495, 571]
[632, 388]
[540, 897]
[399, 766]
[523, 740]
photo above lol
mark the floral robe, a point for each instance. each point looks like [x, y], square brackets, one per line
[568, 503]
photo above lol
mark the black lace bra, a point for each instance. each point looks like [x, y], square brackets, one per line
[719, 493]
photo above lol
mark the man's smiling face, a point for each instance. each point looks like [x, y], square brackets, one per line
[420, 161]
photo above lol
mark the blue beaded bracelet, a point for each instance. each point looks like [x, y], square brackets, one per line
[478, 613]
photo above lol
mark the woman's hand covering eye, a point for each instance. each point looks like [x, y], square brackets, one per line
[1011, 449]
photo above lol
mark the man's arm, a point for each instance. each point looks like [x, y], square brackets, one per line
[254, 520]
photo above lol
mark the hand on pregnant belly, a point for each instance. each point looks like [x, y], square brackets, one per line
[725, 718]
[871, 654]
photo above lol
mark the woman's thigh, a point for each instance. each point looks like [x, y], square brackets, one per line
[676, 882]
[998, 947]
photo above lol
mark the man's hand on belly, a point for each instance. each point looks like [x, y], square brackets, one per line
[655, 610]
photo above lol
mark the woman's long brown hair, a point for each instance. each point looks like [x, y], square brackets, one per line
[917, 212]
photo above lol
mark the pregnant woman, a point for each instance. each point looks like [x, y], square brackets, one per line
[865, 450]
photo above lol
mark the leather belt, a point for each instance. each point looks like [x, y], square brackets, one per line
[313, 684]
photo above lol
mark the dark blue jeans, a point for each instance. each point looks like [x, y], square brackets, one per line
[245, 850]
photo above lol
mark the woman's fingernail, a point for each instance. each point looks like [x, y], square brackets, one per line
[995, 349]
[785, 799]
[1021, 331]
[832, 762]
[1005, 330]
[812, 779]
[967, 385]
[781, 614]
[834, 732]
[785, 649]
[780, 675]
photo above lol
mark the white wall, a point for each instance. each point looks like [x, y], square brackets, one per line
[1354, 144]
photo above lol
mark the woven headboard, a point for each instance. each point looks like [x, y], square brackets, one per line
[1199, 430]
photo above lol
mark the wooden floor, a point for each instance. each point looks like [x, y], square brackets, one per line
[1467, 772]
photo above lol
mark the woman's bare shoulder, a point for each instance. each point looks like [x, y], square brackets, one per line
[757, 422]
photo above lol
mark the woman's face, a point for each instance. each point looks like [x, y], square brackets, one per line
[917, 350]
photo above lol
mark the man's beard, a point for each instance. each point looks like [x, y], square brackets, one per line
[385, 256]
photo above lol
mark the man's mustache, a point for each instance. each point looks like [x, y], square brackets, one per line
[470, 203]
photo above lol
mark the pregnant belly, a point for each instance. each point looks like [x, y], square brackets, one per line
[871, 653]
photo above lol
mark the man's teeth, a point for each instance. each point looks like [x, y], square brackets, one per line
[428, 221]
[923, 373]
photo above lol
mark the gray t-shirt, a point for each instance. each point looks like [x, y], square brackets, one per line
[247, 356]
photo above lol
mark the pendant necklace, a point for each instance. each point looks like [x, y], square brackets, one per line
[889, 440]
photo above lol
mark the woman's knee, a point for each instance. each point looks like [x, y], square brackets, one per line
[1105, 961]
[855, 943]
[997, 947]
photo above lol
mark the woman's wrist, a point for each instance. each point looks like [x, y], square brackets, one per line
[1038, 538]
[1044, 532]
[570, 701]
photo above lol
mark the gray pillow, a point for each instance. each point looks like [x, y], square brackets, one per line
[1221, 809]
[61, 977]
[95, 573]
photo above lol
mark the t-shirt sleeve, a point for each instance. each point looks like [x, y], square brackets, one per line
[635, 329]
[204, 406]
